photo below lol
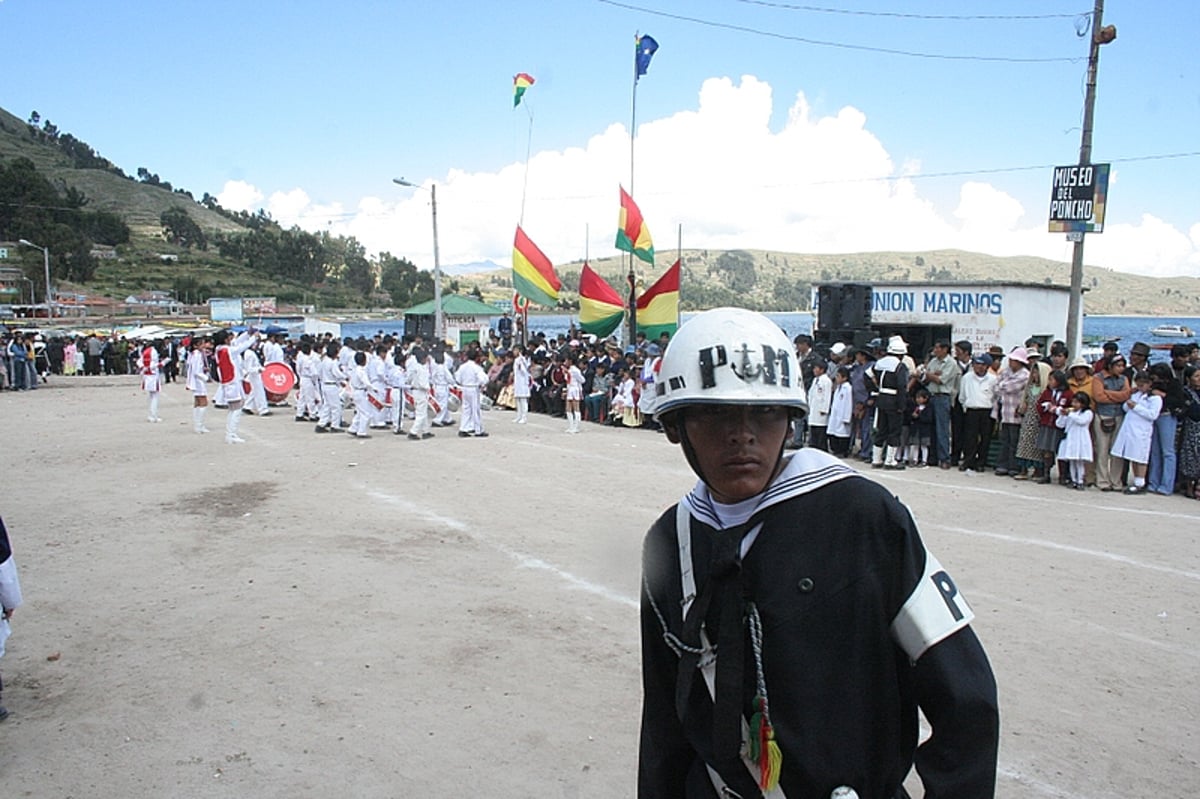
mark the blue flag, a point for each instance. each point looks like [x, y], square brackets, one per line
[646, 47]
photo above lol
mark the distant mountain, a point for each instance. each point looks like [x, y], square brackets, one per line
[474, 268]
[783, 281]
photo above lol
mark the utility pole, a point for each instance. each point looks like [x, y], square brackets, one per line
[1099, 37]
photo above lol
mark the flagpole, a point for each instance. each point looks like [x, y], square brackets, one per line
[679, 260]
[632, 278]
[528, 150]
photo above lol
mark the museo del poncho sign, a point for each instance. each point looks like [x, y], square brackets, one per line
[1078, 198]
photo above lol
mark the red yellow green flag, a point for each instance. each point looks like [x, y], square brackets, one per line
[658, 307]
[600, 306]
[533, 274]
[632, 234]
[521, 82]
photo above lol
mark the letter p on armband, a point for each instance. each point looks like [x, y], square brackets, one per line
[934, 611]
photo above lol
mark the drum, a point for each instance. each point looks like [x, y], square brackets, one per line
[278, 380]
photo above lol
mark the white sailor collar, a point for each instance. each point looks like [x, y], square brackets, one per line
[805, 470]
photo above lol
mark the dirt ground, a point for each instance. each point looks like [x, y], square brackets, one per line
[310, 615]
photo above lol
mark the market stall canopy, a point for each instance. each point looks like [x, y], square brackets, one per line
[455, 305]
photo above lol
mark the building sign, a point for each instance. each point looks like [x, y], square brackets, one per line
[936, 301]
[1078, 197]
[222, 310]
[258, 306]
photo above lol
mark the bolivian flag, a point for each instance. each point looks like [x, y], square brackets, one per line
[533, 274]
[632, 234]
[600, 307]
[521, 82]
[658, 307]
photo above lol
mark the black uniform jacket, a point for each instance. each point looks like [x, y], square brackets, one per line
[829, 572]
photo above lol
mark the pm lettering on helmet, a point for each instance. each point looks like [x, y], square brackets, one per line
[710, 359]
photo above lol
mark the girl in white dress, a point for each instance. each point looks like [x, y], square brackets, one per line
[1076, 446]
[574, 396]
[1133, 437]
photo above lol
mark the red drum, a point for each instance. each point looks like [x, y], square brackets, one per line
[278, 380]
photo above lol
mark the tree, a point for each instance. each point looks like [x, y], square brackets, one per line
[403, 282]
[179, 228]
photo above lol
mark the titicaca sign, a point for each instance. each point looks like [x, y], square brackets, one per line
[1078, 197]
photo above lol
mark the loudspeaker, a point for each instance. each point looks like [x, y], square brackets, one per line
[829, 307]
[855, 311]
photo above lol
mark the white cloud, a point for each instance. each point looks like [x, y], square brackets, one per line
[819, 184]
[238, 195]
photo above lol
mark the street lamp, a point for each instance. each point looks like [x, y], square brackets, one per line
[46, 264]
[439, 322]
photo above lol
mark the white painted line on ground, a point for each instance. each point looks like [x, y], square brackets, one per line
[1106, 632]
[1094, 553]
[523, 560]
[1058, 497]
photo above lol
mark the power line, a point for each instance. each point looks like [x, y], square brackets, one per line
[914, 176]
[901, 15]
[840, 45]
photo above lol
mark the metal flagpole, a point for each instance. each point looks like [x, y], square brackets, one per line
[632, 278]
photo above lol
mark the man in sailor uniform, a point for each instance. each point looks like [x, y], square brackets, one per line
[10, 597]
[793, 622]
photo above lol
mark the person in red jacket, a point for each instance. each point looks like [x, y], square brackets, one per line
[229, 372]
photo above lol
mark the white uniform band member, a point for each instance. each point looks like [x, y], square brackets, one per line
[256, 398]
[229, 356]
[416, 372]
[471, 378]
[308, 375]
[197, 376]
[331, 374]
[521, 384]
[151, 379]
[440, 379]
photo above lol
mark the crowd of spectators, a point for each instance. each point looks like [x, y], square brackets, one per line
[1022, 415]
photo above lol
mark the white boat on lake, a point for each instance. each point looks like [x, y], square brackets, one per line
[1172, 331]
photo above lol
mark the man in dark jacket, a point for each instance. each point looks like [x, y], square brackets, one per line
[793, 621]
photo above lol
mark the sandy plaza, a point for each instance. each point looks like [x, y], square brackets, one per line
[310, 615]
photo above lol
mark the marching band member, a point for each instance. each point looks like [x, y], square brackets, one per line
[229, 393]
[151, 378]
[329, 419]
[197, 377]
[471, 378]
[256, 397]
[440, 377]
[395, 381]
[416, 372]
[376, 371]
[360, 385]
[308, 374]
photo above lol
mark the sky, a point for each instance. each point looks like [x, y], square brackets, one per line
[759, 125]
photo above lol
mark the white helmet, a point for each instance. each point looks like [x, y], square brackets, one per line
[729, 356]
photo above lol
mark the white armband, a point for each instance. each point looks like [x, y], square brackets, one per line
[934, 611]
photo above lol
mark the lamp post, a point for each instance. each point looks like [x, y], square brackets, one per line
[46, 264]
[439, 321]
